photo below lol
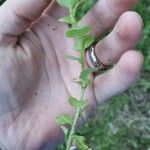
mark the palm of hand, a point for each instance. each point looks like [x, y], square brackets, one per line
[39, 79]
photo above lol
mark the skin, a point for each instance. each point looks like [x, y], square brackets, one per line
[36, 78]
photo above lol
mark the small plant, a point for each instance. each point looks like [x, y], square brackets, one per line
[83, 39]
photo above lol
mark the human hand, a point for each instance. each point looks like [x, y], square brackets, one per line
[36, 78]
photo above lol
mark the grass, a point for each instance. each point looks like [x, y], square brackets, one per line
[123, 123]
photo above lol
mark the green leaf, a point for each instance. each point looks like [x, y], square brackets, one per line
[68, 20]
[77, 6]
[65, 130]
[78, 32]
[86, 72]
[84, 42]
[80, 142]
[77, 103]
[84, 76]
[87, 41]
[74, 58]
[67, 3]
[79, 44]
[84, 83]
[64, 119]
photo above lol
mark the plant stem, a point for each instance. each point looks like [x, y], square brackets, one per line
[78, 111]
[76, 118]
[82, 41]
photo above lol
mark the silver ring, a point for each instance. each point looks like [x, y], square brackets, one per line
[95, 62]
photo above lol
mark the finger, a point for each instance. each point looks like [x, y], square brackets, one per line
[120, 77]
[105, 13]
[17, 15]
[123, 37]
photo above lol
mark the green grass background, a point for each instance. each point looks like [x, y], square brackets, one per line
[123, 123]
